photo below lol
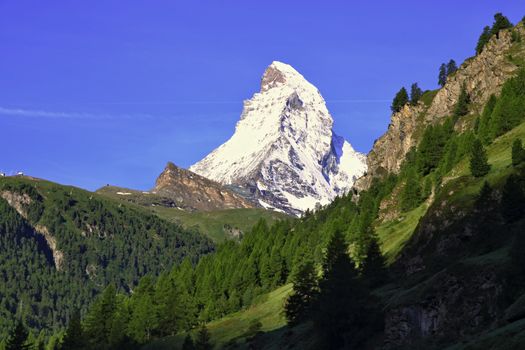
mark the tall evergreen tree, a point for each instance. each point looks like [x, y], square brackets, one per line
[513, 199]
[99, 319]
[451, 67]
[479, 165]
[518, 153]
[188, 343]
[461, 107]
[305, 290]
[500, 22]
[483, 39]
[17, 339]
[74, 337]
[442, 76]
[400, 100]
[411, 193]
[415, 93]
[374, 266]
[203, 339]
[340, 304]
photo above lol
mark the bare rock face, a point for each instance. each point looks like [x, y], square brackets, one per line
[196, 192]
[482, 76]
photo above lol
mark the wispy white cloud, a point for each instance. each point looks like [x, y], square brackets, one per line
[36, 113]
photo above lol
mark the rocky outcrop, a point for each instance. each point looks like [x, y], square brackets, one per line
[20, 201]
[482, 76]
[196, 192]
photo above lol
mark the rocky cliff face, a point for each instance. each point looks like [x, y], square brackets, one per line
[192, 191]
[284, 149]
[482, 76]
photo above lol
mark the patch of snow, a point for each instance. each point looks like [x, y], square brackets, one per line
[124, 193]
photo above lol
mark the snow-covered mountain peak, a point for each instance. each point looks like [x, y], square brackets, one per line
[283, 147]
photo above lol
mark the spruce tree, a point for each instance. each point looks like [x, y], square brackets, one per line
[479, 165]
[17, 339]
[461, 107]
[374, 266]
[442, 77]
[451, 67]
[483, 39]
[500, 22]
[341, 300]
[518, 153]
[415, 93]
[74, 337]
[513, 199]
[484, 197]
[305, 290]
[400, 100]
[188, 343]
[203, 340]
[411, 193]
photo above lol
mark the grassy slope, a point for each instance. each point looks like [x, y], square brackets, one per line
[234, 327]
[215, 223]
[460, 187]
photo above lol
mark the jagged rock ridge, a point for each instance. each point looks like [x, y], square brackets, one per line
[482, 76]
[192, 191]
[284, 149]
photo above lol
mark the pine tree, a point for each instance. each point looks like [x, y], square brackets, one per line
[461, 107]
[518, 153]
[203, 340]
[500, 22]
[17, 339]
[484, 197]
[513, 199]
[99, 319]
[74, 337]
[400, 100]
[340, 304]
[305, 289]
[415, 93]
[411, 193]
[374, 266]
[451, 67]
[483, 39]
[188, 343]
[442, 77]
[479, 165]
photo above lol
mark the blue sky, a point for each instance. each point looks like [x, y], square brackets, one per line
[108, 91]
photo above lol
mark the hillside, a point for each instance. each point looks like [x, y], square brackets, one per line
[61, 245]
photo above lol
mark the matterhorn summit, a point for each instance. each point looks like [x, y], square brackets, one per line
[283, 149]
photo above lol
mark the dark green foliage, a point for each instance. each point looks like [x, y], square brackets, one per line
[479, 165]
[509, 111]
[373, 268]
[442, 76]
[484, 199]
[513, 199]
[400, 100]
[518, 153]
[74, 337]
[500, 22]
[415, 93]
[203, 339]
[411, 193]
[483, 39]
[431, 147]
[461, 107]
[17, 338]
[101, 242]
[451, 67]
[188, 343]
[341, 308]
[305, 290]
[484, 130]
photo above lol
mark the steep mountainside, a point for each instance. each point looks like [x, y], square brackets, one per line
[61, 245]
[482, 76]
[284, 149]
